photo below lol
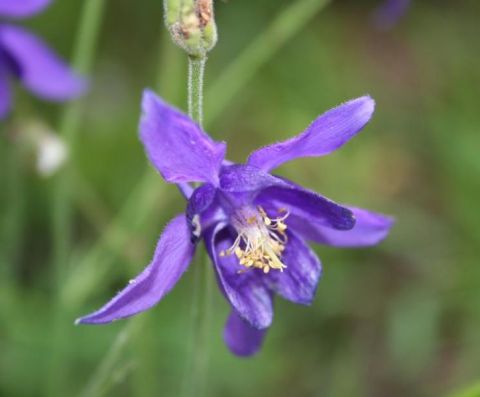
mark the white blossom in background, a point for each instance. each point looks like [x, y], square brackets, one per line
[51, 152]
[48, 150]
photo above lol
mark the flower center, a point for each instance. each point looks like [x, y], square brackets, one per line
[261, 239]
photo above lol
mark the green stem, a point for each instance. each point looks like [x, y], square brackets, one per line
[195, 379]
[196, 68]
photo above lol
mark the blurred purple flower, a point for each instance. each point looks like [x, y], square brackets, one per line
[27, 58]
[389, 12]
[254, 224]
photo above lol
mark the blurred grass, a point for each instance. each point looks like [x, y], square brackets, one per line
[471, 391]
[400, 319]
[84, 52]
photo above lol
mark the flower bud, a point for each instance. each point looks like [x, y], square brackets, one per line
[192, 25]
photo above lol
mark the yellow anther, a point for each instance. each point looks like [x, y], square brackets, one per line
[261, 239]
[238, 252]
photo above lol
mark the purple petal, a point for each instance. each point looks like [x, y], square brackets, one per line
[326, 134]
[308, 204]
[203, 210]
[21, 8]
[185, 189]
[370, 228]
[240, 184]
[245, 178]
[201, 199]
[5, 94]
[172, 257]
[244, 184]
[389, 12]
[298, 282]
[246, 291]
[176, 146]
[240, 337]
[38, 67]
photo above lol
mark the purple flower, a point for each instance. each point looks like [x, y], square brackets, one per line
[27, 58]
[389, 12]
[254, 224]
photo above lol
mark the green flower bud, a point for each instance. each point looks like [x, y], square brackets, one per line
[192, 25]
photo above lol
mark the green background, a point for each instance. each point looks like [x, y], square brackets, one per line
[399, 319]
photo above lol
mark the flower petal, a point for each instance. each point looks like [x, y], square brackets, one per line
[38, 67]
[240, 337]
[370, 228]
[5, 93]
[308, 204]
[245, 178]
[246, 292]
[177, 146]
[21, 8]
[247, 183]
[172, 256]
[326, 134]
[298, 282]
[201, 199]
[203, 210]
[185, 189]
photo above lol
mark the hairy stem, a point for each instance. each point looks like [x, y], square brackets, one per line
[196, 68]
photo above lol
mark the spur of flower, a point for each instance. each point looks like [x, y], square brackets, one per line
[27, 58]
[254, 224]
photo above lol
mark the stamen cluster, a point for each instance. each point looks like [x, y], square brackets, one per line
[260, 241]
